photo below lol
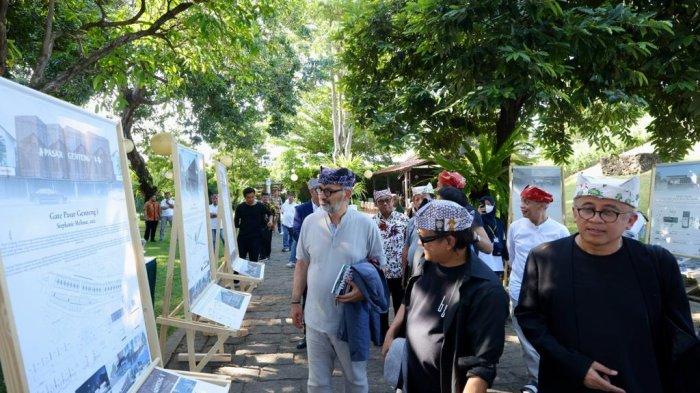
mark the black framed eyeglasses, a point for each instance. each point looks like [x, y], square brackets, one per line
[427, 239]
[327, 192]
[607, 215]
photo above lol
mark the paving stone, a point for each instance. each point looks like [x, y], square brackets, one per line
[274, 387]
[240, 374]
[285, 371]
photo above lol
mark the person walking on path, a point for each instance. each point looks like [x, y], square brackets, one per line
[496, 231]
[330, 238]
[270, 217]
[214, 221]
[524, 234]
[250, 219]
[167, 210]
[412, 250]
[152, 215]
[300, 213]
[287, 221]
[605, 312]
[454, 311]
[392, 228]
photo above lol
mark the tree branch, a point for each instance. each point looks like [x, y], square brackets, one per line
[103, 22]
[4, 4]
[46, 47]
[84, 63]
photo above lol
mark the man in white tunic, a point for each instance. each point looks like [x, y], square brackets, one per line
[329, 238]
[524, 234]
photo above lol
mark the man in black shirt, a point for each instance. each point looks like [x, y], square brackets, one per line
[250, 220]
[453, 312]
[605, 313]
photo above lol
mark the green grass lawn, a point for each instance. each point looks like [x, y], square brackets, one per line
[159, 250]
[570, 188]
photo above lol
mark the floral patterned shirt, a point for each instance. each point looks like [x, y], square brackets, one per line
[392, 231]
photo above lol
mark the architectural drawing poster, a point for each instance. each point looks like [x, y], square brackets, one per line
[675, 208]
[66, 247]
[195, 213]
[225, 207]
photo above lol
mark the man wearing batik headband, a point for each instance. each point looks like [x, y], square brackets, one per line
[392, 228]
[533, 229]
[607, 313]
[454, 310]
[330, 238]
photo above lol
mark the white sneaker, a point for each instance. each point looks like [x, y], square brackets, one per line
[290, 265]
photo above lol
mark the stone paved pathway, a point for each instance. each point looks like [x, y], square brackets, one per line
[266, 360]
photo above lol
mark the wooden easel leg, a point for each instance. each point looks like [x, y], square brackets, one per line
[168, 282]
[191, 350]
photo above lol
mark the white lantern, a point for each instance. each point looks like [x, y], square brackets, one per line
[169, 175]
[161, 143]
[368, 174]
[294, 177]
[227, 161]
[128, 145]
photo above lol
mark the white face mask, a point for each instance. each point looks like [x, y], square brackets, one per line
[489, 208]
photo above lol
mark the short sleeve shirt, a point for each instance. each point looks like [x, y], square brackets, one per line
[392, 231]
[327, 250]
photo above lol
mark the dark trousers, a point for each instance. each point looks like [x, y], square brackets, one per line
[396, 291]
[150, 233]
[266, 243]
[249, 248]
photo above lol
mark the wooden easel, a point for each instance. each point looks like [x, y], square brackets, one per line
[225, 274]
[181, 316]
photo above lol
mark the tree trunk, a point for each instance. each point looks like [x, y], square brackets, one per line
[335, 117]
[505, 127]
[4, 4]
[46, 47]
[135, 98]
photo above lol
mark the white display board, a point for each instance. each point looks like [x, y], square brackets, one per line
[164, 381]
[674, 208]
[548, 178]
[223, 306]
[226, 214]
[247, 268]
[194, 212]
[68, 262]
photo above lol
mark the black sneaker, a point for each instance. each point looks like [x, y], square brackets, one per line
[302, 344]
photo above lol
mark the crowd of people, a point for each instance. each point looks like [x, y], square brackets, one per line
[593, 311]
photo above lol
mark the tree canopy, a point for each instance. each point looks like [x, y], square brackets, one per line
[433, 73]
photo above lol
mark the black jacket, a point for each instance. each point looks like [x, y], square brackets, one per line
[474, 331]
[545, 311]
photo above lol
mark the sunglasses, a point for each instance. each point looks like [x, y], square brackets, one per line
[427, 239]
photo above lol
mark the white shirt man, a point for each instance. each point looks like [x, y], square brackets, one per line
[524, 234]
[330, 238]
[167, 209]
[214, 218]
[287, 221]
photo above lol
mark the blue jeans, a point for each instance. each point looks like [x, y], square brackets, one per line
[293, 254]
[286, 237]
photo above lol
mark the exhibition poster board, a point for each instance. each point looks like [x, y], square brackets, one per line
[165, 381]
[674, 208]
[548, 178]
[76, 317]
[193, 219]
[248, 268]
[204, 297]
[225, 212]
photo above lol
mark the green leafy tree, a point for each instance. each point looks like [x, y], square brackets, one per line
[432, 73]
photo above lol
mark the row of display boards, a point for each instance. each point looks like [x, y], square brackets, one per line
[674, 202]
[76, 311]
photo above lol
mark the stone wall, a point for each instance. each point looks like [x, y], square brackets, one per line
[628, 164]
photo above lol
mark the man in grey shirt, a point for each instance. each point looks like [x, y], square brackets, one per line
[329, 238]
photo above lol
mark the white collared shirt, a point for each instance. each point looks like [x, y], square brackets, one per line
[327, 250]
[523, 236]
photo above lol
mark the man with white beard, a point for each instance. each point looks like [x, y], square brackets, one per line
[330, 238]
